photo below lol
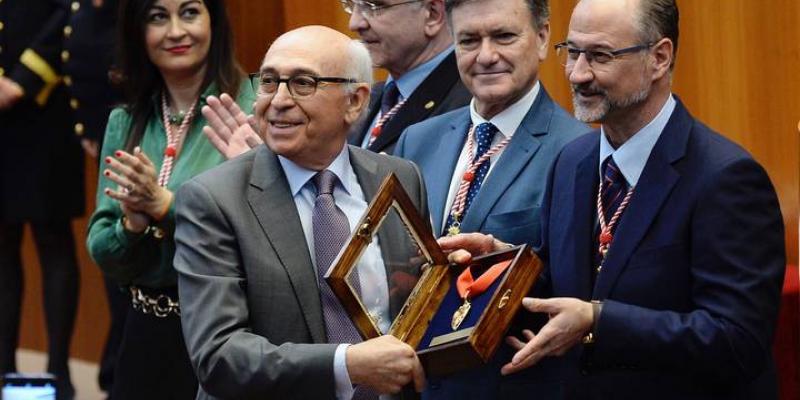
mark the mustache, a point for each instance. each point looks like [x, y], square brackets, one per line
[587, 89]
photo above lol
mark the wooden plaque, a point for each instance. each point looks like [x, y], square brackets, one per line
[441, 352]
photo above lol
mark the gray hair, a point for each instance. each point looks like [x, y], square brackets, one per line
[657, 19]
[540, 10]
[359, 63]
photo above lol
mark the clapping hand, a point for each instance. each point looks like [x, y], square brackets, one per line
[229, 129]
[139, 193]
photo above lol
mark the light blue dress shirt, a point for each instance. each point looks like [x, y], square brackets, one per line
[349, 198]
[632, 156]
[408, 83]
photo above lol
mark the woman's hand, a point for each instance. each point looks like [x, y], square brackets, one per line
[139, 190]
[134, 221]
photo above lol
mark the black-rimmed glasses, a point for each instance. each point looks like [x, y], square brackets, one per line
[369, 9]
[299, 85]
[568, 56]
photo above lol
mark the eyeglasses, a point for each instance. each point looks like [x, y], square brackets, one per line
[299, 85]
[568, 56]
[369, 9]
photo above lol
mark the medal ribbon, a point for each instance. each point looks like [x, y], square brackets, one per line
[605, 228]
[174, 139]
[457, 210]
[376, 130]
[467, 285]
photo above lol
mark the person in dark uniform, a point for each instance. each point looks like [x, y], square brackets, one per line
[41, 177]
[88, 58]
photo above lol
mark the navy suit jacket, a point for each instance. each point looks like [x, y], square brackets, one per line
[691, 284]
[442, 91]
[507, 206]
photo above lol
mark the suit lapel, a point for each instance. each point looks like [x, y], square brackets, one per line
[579, 243]
[657, 180]
[517, 155]
[271, 200]
[422, 103]
[449, 147]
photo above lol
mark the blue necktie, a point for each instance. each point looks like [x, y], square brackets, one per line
[484, 134]
[389, 97]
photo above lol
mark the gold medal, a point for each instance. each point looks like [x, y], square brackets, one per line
[460, 314]
[453, 230]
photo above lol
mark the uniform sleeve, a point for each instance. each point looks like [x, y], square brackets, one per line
[37, 71]
[121, 255]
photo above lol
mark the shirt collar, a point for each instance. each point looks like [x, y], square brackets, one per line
[632, 156]
[508, 120]
[299, 176]
[411, 80]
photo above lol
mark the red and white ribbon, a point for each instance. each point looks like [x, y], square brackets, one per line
[174, 139]
[376, 130]
[457, 210]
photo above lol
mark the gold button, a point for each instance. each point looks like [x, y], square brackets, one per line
[79, 129]
[1, 25]
[75, 6]
[2, 71]
[65, 56]
[73, 102]
[67, 31]
[68, 80]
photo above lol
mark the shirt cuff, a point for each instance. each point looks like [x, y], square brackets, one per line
[344, 388]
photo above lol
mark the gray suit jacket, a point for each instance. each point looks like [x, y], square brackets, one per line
[250, 305]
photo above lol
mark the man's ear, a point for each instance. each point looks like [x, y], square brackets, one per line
[662, 56]
[435, 18]
[543, 33]
[358, 100]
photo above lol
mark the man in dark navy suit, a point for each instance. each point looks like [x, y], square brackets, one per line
[663, 240]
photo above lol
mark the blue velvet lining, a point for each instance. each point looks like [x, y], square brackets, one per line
[440, 324]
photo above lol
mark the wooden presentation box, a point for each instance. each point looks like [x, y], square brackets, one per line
[422, 287]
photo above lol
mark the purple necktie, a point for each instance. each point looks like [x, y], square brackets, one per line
[614, 188]
[331, 231]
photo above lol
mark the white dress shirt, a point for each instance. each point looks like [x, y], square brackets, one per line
[349, 198]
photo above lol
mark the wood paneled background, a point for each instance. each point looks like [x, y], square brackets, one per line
[737, 71]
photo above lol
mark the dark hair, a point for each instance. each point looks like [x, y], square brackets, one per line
[659, 19]
[540, 10]
[141, 79]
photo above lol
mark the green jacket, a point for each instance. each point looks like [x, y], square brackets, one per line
[143, 259]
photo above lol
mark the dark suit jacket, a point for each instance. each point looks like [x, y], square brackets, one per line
[41, 162]
[507, 206]
[250, 305]
[691, 284]
[440, 92]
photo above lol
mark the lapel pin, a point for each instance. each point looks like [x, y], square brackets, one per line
[429, 105]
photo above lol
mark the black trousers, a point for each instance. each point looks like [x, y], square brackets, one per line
[55, 246]
[119, 304]
[152, 362]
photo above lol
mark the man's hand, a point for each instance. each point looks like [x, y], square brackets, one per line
[10, 93]
[461, 248]
[570, 320]
[385, 364]
[229, 128]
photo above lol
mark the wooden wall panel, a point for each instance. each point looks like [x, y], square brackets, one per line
[736, 71]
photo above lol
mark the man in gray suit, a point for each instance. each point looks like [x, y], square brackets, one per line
[487, 164]
[255, 235]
